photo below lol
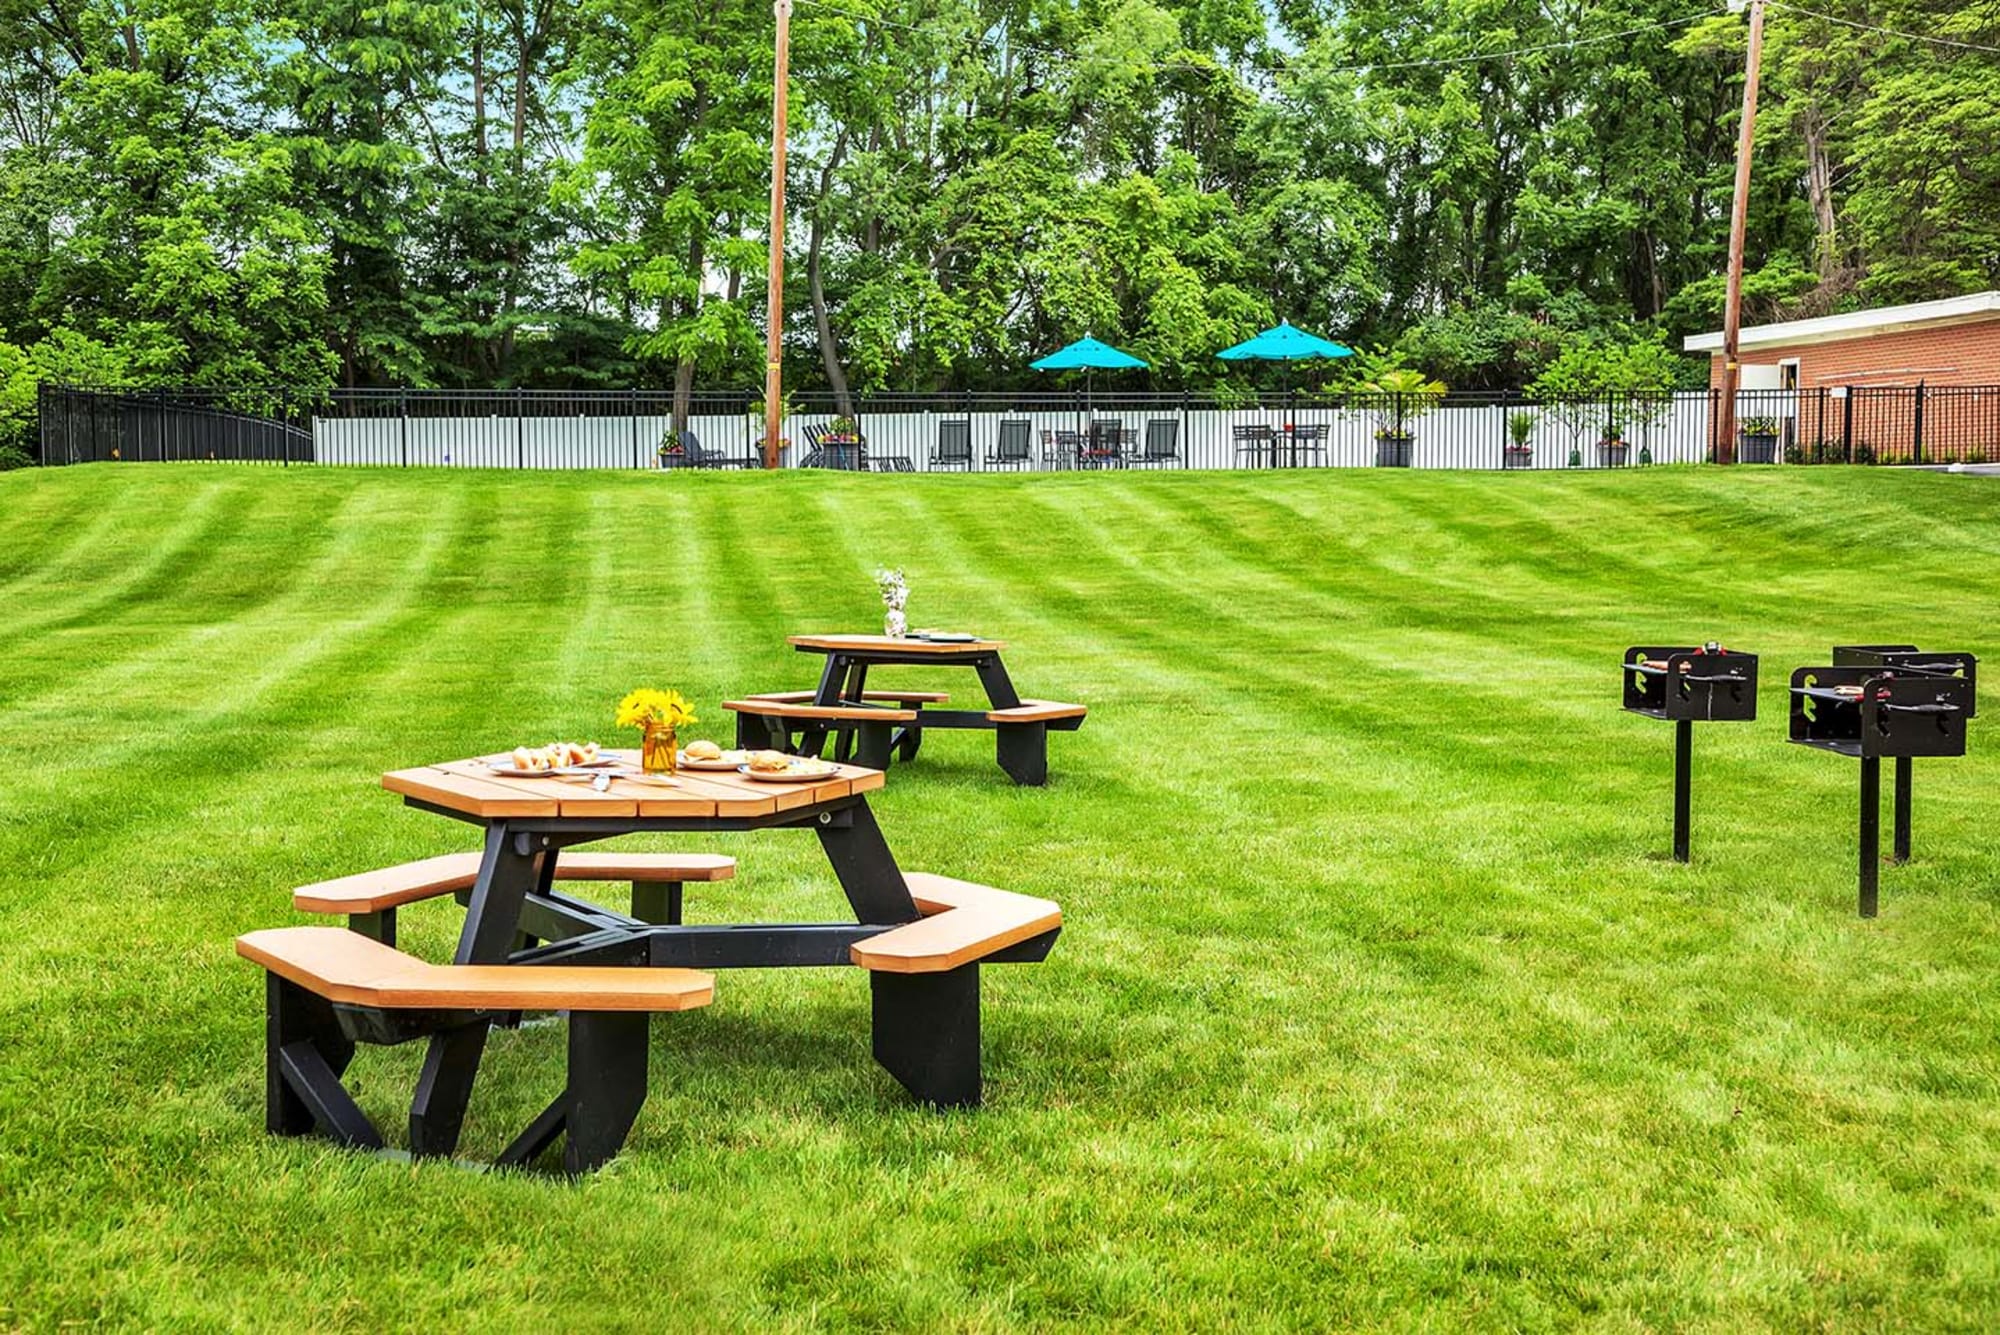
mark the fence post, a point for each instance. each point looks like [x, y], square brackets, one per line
[520, 443]
[1847, 425]
[1917, 427]
[632, 397]
[403, 424]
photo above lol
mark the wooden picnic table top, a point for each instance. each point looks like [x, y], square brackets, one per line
[861, 644]
[472, 789]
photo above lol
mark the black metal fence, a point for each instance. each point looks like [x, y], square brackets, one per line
[990, 432]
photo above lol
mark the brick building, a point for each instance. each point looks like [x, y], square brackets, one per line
[1955, 341]
[1913, 382]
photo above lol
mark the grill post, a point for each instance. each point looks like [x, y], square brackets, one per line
[1871, 833]
[1683, 775]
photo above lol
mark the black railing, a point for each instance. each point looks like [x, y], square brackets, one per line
[992, 432]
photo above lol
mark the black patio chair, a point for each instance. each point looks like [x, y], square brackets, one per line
[1016, 433]
[1163, 442]
[1309, 440]
[1253, 440]
[1106, 447]
[954, 445]
[1065, 447]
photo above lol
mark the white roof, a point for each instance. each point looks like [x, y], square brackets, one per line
[1856, 324]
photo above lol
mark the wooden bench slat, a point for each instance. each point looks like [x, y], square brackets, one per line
[852, 713]
[353, 970]
[964, 922]
[391, 887]
[1036, 711]
[900, 697]
[644, 867]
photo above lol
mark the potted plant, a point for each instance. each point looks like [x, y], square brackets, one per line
[673, 454]
[1518, 454]
[842, 430]
[1611, 447]
[1760, 440]
[1402, 396]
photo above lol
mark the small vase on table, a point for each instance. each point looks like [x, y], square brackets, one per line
[657, 715]
[895, 592]
[660, 751]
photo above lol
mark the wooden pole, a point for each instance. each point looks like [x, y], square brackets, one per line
[774, 377]
[1739, 213]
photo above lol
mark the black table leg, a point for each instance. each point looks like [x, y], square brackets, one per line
[1023, 752]
[1903, 776]
[867, 870]
[1683, 777]
[1871, 833]
[831, 674]
[607, 1085]
[999, 686]
[926, 1033]
[513, 866]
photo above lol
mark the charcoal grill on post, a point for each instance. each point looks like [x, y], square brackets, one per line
[1868, 710]
[1909, 658]
[1685, 685]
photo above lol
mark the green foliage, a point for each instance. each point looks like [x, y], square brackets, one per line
[517, 193]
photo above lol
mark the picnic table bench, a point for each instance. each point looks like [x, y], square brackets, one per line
[874, 726]
[528, 945]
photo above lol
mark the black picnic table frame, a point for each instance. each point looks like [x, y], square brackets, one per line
[1020, 748]
[925, 1025]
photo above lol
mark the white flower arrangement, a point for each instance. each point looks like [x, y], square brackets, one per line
[895, 589]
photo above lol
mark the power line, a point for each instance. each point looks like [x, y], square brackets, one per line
[1886, 32]
[1369, 68]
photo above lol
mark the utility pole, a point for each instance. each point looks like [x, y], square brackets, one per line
[774, 374]
[1732, 307]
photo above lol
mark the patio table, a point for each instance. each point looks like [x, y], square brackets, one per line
[514, 913]
[843, 680]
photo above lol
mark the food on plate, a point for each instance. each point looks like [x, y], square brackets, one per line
[770, 762]
[702, 751]
[554, 756]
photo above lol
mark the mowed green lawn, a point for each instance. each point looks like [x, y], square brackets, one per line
[1378, 1003]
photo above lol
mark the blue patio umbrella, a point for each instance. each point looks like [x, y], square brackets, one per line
[1285, 344]
[1087, 355]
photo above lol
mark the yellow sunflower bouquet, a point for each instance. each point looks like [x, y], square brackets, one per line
[659, 715]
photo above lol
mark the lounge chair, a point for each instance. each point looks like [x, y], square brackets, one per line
[954, 445]
[1163, 442]
[1016, 435]
[694, 454]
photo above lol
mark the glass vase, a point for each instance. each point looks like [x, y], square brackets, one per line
[660, 752]
[894, 624]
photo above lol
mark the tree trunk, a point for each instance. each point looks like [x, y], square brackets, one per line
[829, 350]
[684, 371]
[1819, 190]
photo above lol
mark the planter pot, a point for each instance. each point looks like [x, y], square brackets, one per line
[1759, 450]
[1517, 456]
[1394, 451]
[1612, 453]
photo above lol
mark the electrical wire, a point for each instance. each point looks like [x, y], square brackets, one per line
[1886, 32]
[1436, 62]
